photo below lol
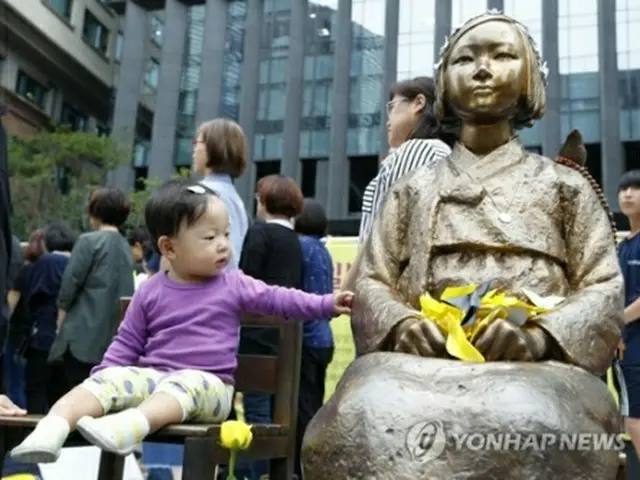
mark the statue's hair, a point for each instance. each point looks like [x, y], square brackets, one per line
[533, 103]
[573, 154]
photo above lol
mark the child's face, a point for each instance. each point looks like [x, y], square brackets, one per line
[629, 200]
[203, 249]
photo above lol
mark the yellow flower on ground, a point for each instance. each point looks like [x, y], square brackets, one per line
[235, 435]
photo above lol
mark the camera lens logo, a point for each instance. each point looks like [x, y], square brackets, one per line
[426, 441]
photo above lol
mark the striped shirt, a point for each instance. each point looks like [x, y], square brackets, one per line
[410, 156]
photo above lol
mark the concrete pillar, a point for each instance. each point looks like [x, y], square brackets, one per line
[249, 94]
[338, 185]
[612, 157]
[293, 94]
[165, 118]
[212, 67]
[551, 123]
[444, 11]
[390, 71]
[125, 112]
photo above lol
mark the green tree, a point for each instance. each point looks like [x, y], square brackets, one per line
[140, 197]
[53, 173]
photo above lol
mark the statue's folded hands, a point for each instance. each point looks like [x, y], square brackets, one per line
[418, 336]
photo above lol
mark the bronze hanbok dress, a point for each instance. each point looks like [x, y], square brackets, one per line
[440, 227]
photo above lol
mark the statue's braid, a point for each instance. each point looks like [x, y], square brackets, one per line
[594, 184]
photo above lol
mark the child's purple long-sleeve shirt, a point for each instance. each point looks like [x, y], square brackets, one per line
[172, 326]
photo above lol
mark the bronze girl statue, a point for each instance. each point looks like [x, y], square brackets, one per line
[491, 212]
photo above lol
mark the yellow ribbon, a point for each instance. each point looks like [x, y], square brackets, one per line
[493, 305]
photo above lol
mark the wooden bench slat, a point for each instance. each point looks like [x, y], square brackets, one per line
[174, 431]
[194, 430]
[257, 374]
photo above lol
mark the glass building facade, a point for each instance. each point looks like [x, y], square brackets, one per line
[308, 80]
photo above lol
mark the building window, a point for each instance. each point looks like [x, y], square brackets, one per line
[72, 117]
[157, 28]
[117, 54]
[31, 89]
[151, 75]
[141, 153]
[95, 32]
[361, 171]
[61, 7]
[309, 172]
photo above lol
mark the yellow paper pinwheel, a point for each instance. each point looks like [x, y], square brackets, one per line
[462, 312]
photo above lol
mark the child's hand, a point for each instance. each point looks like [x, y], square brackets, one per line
[342, 302]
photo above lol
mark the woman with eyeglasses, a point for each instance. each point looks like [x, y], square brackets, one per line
[415, 140]
[220, 155]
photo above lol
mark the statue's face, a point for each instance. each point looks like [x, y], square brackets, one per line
[486, 74]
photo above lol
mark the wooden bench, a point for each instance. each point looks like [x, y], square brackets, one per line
[279, 376]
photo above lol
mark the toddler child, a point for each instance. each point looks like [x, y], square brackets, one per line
[174, 356]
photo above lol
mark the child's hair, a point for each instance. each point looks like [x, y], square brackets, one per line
[313, 219]
[141, 235]
[280, 195]
[58, 236]
[176, 204]
[630, 179]
[226, 146]
[110, 205]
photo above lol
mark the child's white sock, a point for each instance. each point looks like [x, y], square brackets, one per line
[43, 445]
[118, 433]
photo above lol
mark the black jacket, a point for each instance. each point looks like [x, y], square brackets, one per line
[5, 236]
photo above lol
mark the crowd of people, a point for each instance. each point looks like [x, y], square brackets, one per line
[196, 266]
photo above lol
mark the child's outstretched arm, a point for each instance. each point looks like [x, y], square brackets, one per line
[257, 297]
[128, 344]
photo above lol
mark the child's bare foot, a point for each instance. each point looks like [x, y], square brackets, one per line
[43, 445]
[117, 433]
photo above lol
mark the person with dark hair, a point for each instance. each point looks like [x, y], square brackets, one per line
[108, 207]
[141, 247]
[415, 140]
[39, 330]
[414, 137]
[629, 258]
[98, 274]
[174, 356]
[58, 237]
[271, 253]
[317, 343]
[19, 326]
[220, 154]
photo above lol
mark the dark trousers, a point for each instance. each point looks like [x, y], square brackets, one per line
[45, 383]
[75, 371]
[313, 373]
[38, 381]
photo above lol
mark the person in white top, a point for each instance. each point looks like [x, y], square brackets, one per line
[415, 140]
